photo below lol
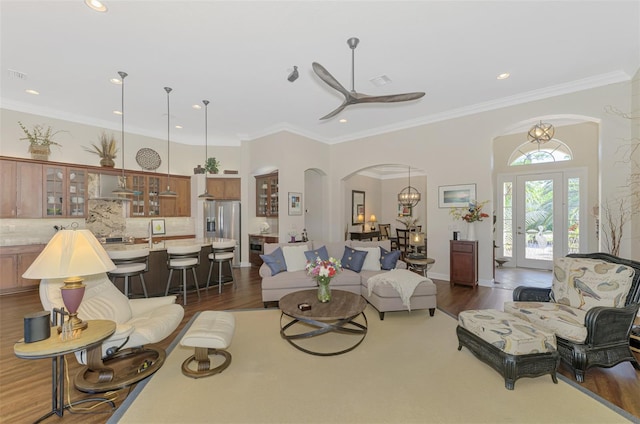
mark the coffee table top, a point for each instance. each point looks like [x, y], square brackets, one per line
[343, 304]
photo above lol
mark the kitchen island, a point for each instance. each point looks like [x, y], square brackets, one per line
[156, 277]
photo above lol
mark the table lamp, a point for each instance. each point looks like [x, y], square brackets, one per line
[361, 220]
[71, 254]
[416, 239]
[373, 221]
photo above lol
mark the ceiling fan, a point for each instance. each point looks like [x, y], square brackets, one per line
[352, 97]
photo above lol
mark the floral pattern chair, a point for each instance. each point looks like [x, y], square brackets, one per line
[591, 307]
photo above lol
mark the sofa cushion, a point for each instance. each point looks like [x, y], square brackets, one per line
[373, 243]
[566, 322]
[270, 247]
[321, 253]
[334, 249]
[275, 261]
[294, 257]
[353, 259]
[372, 260]
[388, 260]
[586, 283]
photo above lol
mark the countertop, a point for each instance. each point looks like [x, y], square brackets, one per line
[162, 245]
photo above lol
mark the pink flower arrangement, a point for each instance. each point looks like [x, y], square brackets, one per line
[323, 271]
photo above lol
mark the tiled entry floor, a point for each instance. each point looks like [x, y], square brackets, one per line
[510, 278]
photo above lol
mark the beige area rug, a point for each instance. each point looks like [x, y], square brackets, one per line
[407, 370]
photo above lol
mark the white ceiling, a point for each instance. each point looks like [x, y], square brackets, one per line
[238, 54]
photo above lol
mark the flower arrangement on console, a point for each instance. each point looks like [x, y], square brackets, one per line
[323, 271]
[408, 221]
[471, 214]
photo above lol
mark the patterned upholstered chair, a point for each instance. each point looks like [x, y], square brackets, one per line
[591, 307]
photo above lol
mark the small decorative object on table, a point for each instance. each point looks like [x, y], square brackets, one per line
[471, 214]
[323, 272]
[293, 234]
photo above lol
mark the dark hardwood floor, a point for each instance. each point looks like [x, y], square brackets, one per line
[25, 385]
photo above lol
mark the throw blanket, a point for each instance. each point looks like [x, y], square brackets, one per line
[402, 280]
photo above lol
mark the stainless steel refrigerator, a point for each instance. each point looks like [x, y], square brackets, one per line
[222, 219]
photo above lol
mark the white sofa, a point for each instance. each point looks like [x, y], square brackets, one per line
[276, 286]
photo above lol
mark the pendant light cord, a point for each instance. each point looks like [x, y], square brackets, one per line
[168, 90]
[123, 75]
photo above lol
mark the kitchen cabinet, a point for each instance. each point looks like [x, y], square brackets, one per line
[65, 191]
[145, 200]
[21, 189]
[180, 205]
[267, 195]
[463, 262]
[256, 247]
[224, 188]
[14, 261]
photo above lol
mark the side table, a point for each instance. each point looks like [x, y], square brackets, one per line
[420, 263]
[90, 339]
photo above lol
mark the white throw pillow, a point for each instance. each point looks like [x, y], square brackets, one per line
[372, 260]
[294, 257]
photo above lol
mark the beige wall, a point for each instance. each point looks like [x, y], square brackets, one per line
[453, 151]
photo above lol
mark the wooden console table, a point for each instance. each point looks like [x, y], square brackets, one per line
[463, 262]
[367, 235]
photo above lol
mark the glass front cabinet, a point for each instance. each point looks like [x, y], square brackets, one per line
[65, 193]
[145, 201]
[267, 195]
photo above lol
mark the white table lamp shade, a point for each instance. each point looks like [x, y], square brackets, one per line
[70, 253]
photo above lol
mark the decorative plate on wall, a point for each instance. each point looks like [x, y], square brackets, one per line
[148, 159]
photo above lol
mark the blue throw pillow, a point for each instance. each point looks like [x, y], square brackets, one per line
[275, 261]
[388, 259]
[353, 259]
[321, 253]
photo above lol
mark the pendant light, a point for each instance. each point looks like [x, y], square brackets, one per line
[409, 196]
[541, 133]
[122, 190]
[206, 195]
[168, 192]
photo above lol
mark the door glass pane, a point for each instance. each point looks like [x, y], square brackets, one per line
[507, 219]
[55, 192]
[573, 215]
[539, 219]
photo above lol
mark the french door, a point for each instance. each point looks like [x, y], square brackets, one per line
[539, 230]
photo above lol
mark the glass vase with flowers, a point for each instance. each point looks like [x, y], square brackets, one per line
[323, 271]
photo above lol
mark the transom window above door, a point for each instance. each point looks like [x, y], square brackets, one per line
[530, 153]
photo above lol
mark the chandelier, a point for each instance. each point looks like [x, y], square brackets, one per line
[409, 196]
[540, 133]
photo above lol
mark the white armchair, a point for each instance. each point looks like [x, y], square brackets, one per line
[142, 321]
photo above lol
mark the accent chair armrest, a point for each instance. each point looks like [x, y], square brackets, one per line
[141, 306]
[531, 294]
[609, 325]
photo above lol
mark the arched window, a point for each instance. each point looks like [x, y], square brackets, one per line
[529, 153]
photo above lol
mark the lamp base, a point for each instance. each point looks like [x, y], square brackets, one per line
[75, 323]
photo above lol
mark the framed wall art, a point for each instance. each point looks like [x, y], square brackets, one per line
[456, 196]
[157, 227]
[404, 210]
[295, 203]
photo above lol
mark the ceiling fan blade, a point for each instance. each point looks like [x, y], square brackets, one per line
[328, 78]
[390, 98]
[336, 111]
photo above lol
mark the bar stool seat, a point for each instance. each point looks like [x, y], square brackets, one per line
[130, 263]
[221, 252]
[183, 258]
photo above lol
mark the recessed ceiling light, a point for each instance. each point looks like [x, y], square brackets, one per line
[342, 121]
[117, 112]
[96, 5]
[179, 127]
[115, 81]
[30, 91]
[198, 107]
[504, 75]
[380, 81]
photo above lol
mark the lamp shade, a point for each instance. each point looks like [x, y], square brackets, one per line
[360, 217]
[372, 218]
[70, 253]
[416, 239]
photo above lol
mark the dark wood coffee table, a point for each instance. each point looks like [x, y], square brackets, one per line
[335, 316]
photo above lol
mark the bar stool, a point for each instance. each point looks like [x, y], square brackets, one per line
[183, 258]
[130, 263]
[221, 252]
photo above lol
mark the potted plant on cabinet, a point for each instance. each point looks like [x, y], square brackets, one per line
[106, 150]
[212, 165]
[40, 140]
